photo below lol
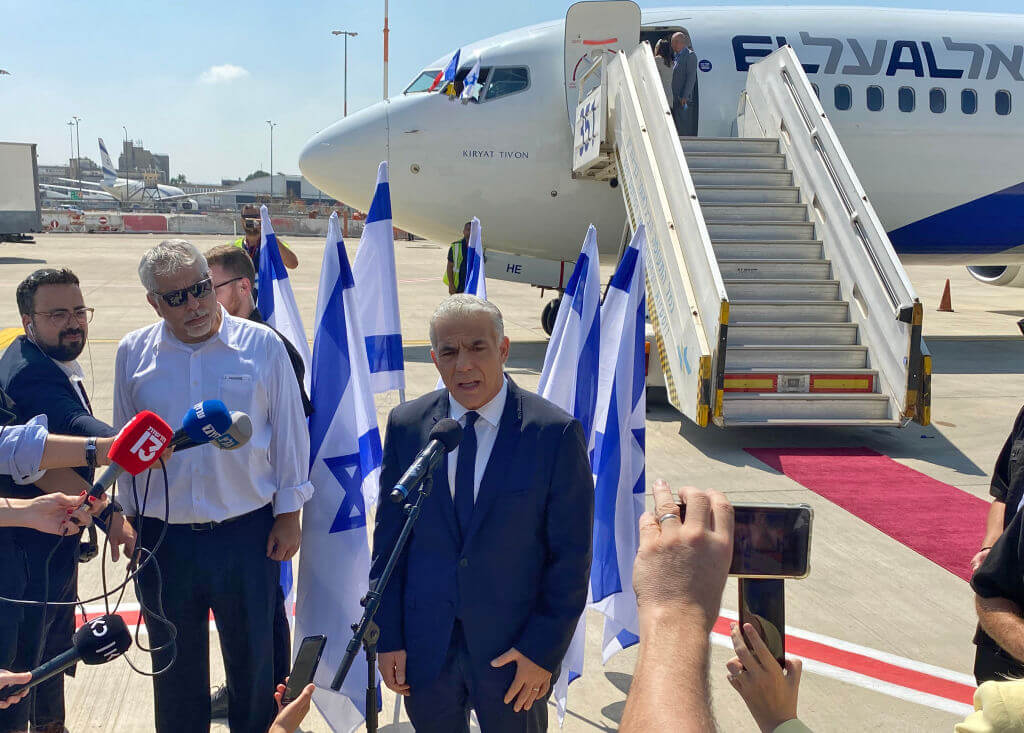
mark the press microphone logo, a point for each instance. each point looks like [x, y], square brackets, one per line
[210, 432]
[149, 445]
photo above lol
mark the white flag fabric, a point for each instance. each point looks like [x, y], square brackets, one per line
[569, 379]
[277, 306]
[618, 455]
[377, 287]
[476, 280]
[471, 86]
[345, 453]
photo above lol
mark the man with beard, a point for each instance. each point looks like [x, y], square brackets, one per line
[40, 373]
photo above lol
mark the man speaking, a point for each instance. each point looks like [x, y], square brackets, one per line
[484, 601]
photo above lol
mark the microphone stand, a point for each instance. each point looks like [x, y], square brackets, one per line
[366, 633]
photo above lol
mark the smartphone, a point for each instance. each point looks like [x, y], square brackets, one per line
[770, 540]
[250, 224]
[306, 662]
[763, 606]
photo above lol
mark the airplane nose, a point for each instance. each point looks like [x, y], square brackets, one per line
[342, 159]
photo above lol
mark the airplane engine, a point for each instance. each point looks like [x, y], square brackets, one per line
[1002, 275]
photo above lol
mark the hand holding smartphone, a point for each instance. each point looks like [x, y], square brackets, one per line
[306, 662]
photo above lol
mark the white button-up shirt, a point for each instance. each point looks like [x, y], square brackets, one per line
[246, 367]
[486, 427]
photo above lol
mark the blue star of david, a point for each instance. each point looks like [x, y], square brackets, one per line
[351, 513]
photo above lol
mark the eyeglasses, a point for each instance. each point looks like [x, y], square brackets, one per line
[62, 316]
[228, 282]
[199, 290]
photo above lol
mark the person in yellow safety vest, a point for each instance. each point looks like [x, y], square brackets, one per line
[458, 253]
[250, 242]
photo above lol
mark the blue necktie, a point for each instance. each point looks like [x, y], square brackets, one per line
[465, 469]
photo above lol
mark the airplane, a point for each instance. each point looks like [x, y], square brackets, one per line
[921, 100]
[126, 190]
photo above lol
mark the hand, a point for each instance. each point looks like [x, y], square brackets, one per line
[531, 683]
[290, 716]
[285, 536]
[978, 559]
[392, 670]
[769, 694]
[8, 679]
[121, 534]
[680, 567]
[682, 101]
[52, 513]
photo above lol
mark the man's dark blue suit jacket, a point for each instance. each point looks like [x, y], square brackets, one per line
[519, 579]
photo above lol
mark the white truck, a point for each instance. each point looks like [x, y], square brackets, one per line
[20, 213]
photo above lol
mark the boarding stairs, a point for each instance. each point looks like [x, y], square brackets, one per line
[774, 294]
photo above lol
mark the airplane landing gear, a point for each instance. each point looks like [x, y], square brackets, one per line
[549, 314]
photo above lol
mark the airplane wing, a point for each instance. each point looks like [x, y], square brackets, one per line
[90, 191]
[79, 183]
[193, 195]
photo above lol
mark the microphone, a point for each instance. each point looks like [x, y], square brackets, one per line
[205, 421]
[99, 641]
[234, 437]
[444, 438]
[135, 449]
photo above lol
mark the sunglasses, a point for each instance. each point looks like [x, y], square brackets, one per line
[199, 290]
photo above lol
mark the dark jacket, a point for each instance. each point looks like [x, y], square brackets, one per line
[293, 355]
[520, 577]
[684, 77]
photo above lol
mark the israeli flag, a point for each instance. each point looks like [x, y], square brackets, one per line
[276, 303]
[476, 280]
[345, 452]
[377, 285]
[470, 85]
[569, 379]
[618, 456]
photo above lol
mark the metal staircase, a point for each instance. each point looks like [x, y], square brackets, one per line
[793, 352]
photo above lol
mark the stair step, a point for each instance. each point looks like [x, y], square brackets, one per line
[745, 333]
[810, 410]
[748, 194]
[743, 211]
[772, 357]
[733, 161]
[775, 269]
[800, 381]
[729, 144]
[738, 249]
[760, 230]
[792, 311]
[768, 289]
[725, 177]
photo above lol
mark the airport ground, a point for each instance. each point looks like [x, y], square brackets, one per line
[871, 604]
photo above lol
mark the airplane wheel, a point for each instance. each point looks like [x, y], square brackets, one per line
[548, 316]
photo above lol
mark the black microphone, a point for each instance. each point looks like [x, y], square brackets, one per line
[98, 641]
[444, 438]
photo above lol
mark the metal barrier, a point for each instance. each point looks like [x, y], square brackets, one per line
[779, 102]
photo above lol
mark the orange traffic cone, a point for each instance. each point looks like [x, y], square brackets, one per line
[945, 303]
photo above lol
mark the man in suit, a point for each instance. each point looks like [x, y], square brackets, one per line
[684, 85]
[41, 374]
[485, 599]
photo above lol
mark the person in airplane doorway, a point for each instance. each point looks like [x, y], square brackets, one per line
[455, 270]
[684, 85]
[664, 59]
[991, 661]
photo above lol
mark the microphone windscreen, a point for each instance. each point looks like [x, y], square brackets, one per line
[448, 432]
[238, 434]
[140, 442]
[206, 421]
[102, 639]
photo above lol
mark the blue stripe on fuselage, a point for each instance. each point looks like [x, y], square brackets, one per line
[987, 225]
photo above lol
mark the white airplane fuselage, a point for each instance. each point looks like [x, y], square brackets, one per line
[947, 185]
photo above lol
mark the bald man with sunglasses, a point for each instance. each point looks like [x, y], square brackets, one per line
[232, 515]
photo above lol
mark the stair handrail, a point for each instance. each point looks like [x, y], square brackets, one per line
[779, 102]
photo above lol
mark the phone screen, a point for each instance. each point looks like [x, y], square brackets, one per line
[763, 605]
[306, 662]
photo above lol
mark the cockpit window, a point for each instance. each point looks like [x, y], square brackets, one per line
[508, 80]
[422, 82]
[461, 74]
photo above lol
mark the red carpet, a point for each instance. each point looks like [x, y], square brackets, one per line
[939, 521]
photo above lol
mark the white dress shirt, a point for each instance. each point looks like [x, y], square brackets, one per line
[486, 427]
[246, 367]
[76, 375]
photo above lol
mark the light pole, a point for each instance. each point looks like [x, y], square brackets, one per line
[126, 196]
[346, 34]
[272, 126]
[78, 143]
[386, 31]
[71, 139]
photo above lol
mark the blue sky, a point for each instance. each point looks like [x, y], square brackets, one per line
[153, 68]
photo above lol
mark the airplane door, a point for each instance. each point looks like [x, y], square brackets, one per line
[590, 29]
